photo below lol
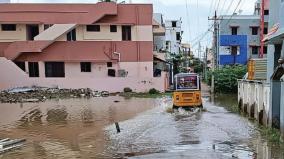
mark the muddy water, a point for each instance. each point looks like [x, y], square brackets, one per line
[84, 128]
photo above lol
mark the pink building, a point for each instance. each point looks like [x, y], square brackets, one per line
[103, 46]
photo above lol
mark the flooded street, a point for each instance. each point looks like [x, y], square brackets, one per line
[84, 128]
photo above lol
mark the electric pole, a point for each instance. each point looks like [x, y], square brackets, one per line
[262, 29]
[215, 50]
[205, 64]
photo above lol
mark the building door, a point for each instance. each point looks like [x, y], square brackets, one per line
[32, 31]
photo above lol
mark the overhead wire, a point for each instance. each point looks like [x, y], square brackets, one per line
[188, 19]
[222, 8]
[211, 6]
[229, 7]
[242, 4]
[234, 11]
[218, 6]
[197, 12]
[200, 37]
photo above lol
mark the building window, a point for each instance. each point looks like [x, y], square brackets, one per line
[234, 50]
[174, 24]
[33, 69]
[8, 27]
[93, 28]
[265, 30]
[126, 33]
[113, 28]
[254, 50]
[71, 36]
[86, 66]
[265, 50]
[46, 26]
[266, 12]
[111, 72]
[109, 64]
[234, 30]
[254, 30]
[178, 37]
[168, 44]
[54, 69]
[21, 65]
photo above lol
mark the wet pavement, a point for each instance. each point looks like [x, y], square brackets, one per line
[84, 128]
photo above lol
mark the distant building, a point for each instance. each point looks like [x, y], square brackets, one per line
[173, 36]
[240, 37]
[159, 31]
[102, 46]
[159, 45]
[210, 58]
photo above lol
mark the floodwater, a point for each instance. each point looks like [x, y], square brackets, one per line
[84, 128]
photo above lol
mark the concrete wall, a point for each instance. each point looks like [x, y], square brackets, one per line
[234, 40]
[12, 75]
[253, 97]
[282, 110]
[171, 32]
[244, 24]
[103, 35]
[115, 84]
[11, 36]
[139, 77]
[138, 33]
[99, 70]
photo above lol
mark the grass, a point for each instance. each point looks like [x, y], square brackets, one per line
[271, 134]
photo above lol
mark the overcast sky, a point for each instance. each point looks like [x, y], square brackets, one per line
[194, 15]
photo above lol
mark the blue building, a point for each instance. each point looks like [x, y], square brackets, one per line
[239, 38]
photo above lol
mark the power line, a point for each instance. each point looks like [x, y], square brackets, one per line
[222, 9]
[211, 5]
[242, 4]
[234, 11]
[197, 11]
[218, 5]
[188, 22]
[229, 7]
[215, 4]
[201, 35]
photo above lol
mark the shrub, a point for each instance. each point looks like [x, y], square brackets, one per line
[127, 90]
[153, 91]
[226, 78]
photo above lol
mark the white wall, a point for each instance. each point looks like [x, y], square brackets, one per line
[139, 78]
[171, 33]
[11, 75]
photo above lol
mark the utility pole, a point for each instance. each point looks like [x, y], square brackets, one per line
[262, 29]
[205, 64]
[215, 50]
[199, 54]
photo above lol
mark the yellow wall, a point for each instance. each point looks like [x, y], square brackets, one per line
[10, 36]
[139, 33]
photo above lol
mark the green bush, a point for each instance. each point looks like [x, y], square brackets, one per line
[226, 78]
[153, 91]
[127, 90]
